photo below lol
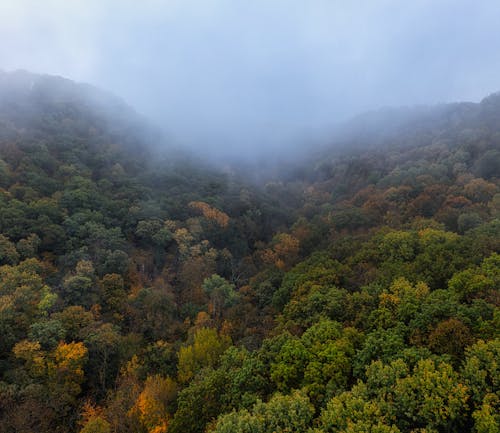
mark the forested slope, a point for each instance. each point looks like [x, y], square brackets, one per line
[142, 291]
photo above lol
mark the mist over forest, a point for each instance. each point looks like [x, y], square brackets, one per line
[244, 78]
[249, 217]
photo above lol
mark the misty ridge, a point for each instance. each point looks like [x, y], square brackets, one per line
[233, 79]
[31, 100]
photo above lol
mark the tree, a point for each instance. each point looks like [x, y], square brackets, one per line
[80, 288]
[205, 351]
[319, 361]
[154, 230]
[477, 282]
[96, 425]
[103, 342]
[319, 270]
[487, 418]
[221, 293]
[28, 247]
[240, 379]
[432, 396]
[283, 251]
[153, 403]
[112, 294]
[55, 377]
[200, 402]
[397, 398]
[480, 190]
[481, 372]
[282, 414]
[353, 412]
[23, 299]
[47, 332]
[8, 252]
[211, 213]
[288, 369]
[450, 336]
[468, 221]
[442, 254]
[385, 345]
[152, 313]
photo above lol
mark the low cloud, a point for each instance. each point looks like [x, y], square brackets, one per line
[241, 77]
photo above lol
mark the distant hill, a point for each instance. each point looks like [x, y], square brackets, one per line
[396, 123]
[55, 105]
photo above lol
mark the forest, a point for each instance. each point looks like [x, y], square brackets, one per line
[143, 290]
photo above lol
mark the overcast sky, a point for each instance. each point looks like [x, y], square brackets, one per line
[250, 74]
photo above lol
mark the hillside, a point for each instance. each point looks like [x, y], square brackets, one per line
[144, 291]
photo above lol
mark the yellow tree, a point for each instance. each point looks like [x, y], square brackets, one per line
[210, 213]
[151, 406]
[65, 371]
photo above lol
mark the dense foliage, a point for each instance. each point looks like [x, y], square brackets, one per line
[141, 291]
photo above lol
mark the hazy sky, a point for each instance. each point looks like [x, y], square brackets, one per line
[249, 74]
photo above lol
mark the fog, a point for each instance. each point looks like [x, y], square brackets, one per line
[245, 77]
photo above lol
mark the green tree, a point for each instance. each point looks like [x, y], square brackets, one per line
[433, 396]
[486, 417]
[221, 293]
[80, 288]
[481, 372]
[319, 361]
[28, 247]
[8, 252]
[282, 414]
[205, 351]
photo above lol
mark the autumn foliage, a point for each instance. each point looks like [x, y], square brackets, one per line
[354, 291]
